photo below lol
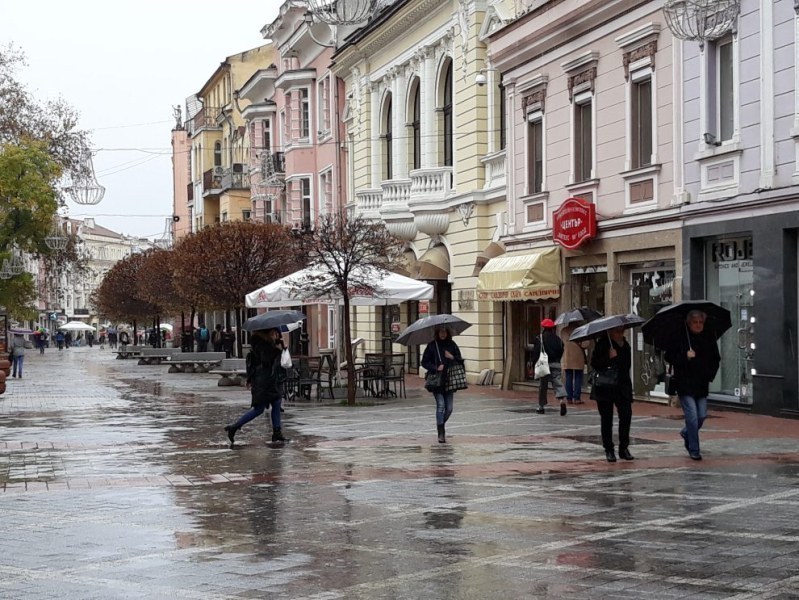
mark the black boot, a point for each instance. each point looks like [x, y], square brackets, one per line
[277, 435]
[624, 453]
[442, 435]
[231, 433]
[610, 455]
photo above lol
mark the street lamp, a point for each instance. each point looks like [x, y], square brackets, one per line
[701, 20]
[343, 12]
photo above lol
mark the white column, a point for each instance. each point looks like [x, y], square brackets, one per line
[374, 136]
[680, 196]
[767, 159]
[400, 131]
[428, 102]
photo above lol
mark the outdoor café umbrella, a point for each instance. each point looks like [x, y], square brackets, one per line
[423, 331]
[595, 328]
[273, 319]
[76, 326]
[577, 315]
[667, 329]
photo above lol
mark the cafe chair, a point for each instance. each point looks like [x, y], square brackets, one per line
[395, 375]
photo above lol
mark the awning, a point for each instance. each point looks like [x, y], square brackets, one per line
[533, 276]
[493, 250]
[433, 264]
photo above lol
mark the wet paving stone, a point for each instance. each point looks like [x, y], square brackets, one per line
[117, 481]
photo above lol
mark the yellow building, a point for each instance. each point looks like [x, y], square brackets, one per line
[424, 121]
[220, 143]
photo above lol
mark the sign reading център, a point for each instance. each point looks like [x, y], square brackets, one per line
[574, 223]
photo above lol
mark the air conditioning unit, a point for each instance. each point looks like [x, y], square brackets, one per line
[219, 171]
[238, 167]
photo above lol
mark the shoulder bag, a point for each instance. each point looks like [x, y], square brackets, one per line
[434, 380]
[541, 368]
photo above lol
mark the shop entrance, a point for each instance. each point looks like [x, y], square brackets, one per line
[526, 320]
[650, 290]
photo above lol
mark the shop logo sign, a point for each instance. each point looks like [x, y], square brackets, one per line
[574, 223]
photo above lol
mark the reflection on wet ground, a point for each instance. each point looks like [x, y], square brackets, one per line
[118, 482]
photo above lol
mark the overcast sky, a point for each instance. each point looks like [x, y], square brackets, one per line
[123, 64]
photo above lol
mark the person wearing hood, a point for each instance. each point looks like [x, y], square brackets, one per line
[17, 355]
[695, 363]
[440, 355]
[553, 346]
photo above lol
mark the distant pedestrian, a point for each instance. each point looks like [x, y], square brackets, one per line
[695, 363]
[186, 340]
[203, 336]
[68, 339]
[228, 342]
[553, 346]
[124, 338]
[60, 340]
[17, 355]
[439, 356]
[89, 338]
[613, 352]
[216, 338]
[112, 339]
[265, 379]
[572, 365]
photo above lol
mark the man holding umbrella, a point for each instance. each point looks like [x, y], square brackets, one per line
[688, 332]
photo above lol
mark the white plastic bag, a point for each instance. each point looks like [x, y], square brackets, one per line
[285, 359]
[541, 368]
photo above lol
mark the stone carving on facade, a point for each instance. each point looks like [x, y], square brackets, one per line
[466, 210]
[536, 99]
[640, 53]
[586, 76]
[463, 23]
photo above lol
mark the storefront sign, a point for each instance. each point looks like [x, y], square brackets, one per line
[574, 223]
[530, 294]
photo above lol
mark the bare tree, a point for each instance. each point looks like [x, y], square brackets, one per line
[349, 255]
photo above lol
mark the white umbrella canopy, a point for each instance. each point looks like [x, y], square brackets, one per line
[76, 326]
[288, 291]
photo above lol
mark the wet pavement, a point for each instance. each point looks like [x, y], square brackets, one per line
[117, 481]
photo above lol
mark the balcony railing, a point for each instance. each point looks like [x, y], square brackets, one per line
[206, 118]
[397, 191]
[212, 180]
[431, 185]
[235, 178]
[494, 170]
[368, 203]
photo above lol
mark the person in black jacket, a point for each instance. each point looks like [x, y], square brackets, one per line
[265, 379]
[613, 352]
[553, 346]
[439, 355]
[695, 363]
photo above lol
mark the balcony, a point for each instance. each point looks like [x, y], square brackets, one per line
[212, 181]
[396, 191]
[235, 178]
[368, 203]
[430, 186]
[494, 170]
[206, 118]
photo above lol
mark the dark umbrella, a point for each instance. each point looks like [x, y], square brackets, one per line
[667, 329]
[578, 315]
[603, 325]
[273, 319]
[424, 330]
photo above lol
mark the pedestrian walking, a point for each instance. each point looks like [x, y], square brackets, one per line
[612, 355]
[228, 342]
[90, 338]
[17, 355]
[573, 365]
[124, 338]
[696, 362]
[203, 337]
[553, 346]
[442, 355]
[265, 379]
[68, 339]
[216, 338]
[59, 340]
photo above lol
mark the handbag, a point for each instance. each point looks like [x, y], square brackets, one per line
[670, 383]
[607, 379]
[285, 359]
[456, 378]
[541, 368]
[434, 380]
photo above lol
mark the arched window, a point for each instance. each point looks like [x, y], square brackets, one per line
[416, 130]
[446, 115]
[387, 140]
[218, 154]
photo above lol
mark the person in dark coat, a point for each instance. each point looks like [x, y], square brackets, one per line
[613, 351]
[695, 363]
[553, 346]
[265, 379]
[439, 355]
[228, 342]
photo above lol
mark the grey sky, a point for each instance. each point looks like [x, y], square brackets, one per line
[123, 64]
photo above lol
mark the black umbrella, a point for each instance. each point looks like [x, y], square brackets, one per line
[667, 329]
[424, 330]
[578, 315]
[273, 319]
[603, 325]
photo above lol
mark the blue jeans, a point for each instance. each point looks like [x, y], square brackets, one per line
[16, 362]
[695, 411]
[574, 384]
[258, 411]
[443, 406]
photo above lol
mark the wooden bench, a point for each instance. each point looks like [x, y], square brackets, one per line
[128, 351]
[193, 362]
[232, 370]
[154, 356]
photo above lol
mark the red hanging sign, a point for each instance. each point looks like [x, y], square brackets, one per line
[574, 223]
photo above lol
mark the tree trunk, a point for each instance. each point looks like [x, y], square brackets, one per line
[238, 332]
[351, 384]
[135, 333]
[191, 328]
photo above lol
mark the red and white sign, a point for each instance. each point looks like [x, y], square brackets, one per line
[574, 223]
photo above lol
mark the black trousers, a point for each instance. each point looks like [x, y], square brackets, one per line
[625, 410]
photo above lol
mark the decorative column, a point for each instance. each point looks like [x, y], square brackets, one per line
[399, 129]
[428, 102]
[374, 137]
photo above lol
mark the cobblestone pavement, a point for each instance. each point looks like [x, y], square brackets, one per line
[117, 481]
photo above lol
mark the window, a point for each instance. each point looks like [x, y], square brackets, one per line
[503, 116]
[323, 191]
[245, 215]
[218, 154]
[387, 140]
[446, 116]
[641, 121]
[416, 130]
[725, 91]
[583, 138]
[306, 203]
[305, 114]
[322, 95]
[535, 153]
[266, 133]
[224, 217]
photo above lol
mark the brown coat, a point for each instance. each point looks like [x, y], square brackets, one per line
[573, 353]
